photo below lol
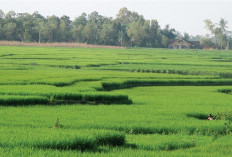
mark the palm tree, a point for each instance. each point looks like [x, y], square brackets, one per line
[223, 25]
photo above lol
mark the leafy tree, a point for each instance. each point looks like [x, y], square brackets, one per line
[39, 27]
[209, 26]
[168, 32]
[136, 32]
[195, 38]
[78, 26]
[10, 15]
[96, 21]
[26, 22]
[186, 36]
[218, 30]
[164, 41]
[223, 25]
[108, 33]
[222, 35]
[51, 29]
[125, 18]
[207, 43]
[153, 34]
[230, 43]
[93, 28]
[65, 28]
[89, 33]
[10, 31]
[121, 31]
[1, 24]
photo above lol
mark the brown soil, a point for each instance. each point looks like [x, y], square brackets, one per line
[62, 44]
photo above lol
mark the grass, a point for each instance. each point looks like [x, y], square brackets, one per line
[170, 92]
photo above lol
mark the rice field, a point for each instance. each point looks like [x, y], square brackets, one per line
[58, 101]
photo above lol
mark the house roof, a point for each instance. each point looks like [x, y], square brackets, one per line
[195, 43]
[177, 41]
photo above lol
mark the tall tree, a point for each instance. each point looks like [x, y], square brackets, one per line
[209, 25]
[65, 28]
[51, 30]
[39, 27]
[1, 14]
[168, 32]
[1, 24]
[10, 31]
[186, 36]
[222, 36]
[125, 18]
[153, 34]
[218, 31]
[93, 27]
[207, 43]
[78, 26]
[136, 32]
[223, 25]
[108, 33]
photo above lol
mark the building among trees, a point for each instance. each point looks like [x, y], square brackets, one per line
[181, 43]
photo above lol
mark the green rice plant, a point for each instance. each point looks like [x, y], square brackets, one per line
[166, 142]
[174, 146]
[227, 116]
[227, 91]
[62, 98]
[9, 100]
[224, 115]
[225, 75]
[140, 83]
[61, 139]
[171, 90]
[107, 99]
[67, 97]
[201, 116]
[111, 139]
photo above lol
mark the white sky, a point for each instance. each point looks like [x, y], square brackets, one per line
[184, 16]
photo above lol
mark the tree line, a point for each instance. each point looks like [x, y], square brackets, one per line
[127, 29]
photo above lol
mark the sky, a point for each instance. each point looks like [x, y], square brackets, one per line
[183, 15]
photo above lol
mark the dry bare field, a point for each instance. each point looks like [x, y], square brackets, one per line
[55, 44]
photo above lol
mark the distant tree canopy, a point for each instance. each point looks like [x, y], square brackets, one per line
[207, 42]
[219, 32]
[127, 29]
